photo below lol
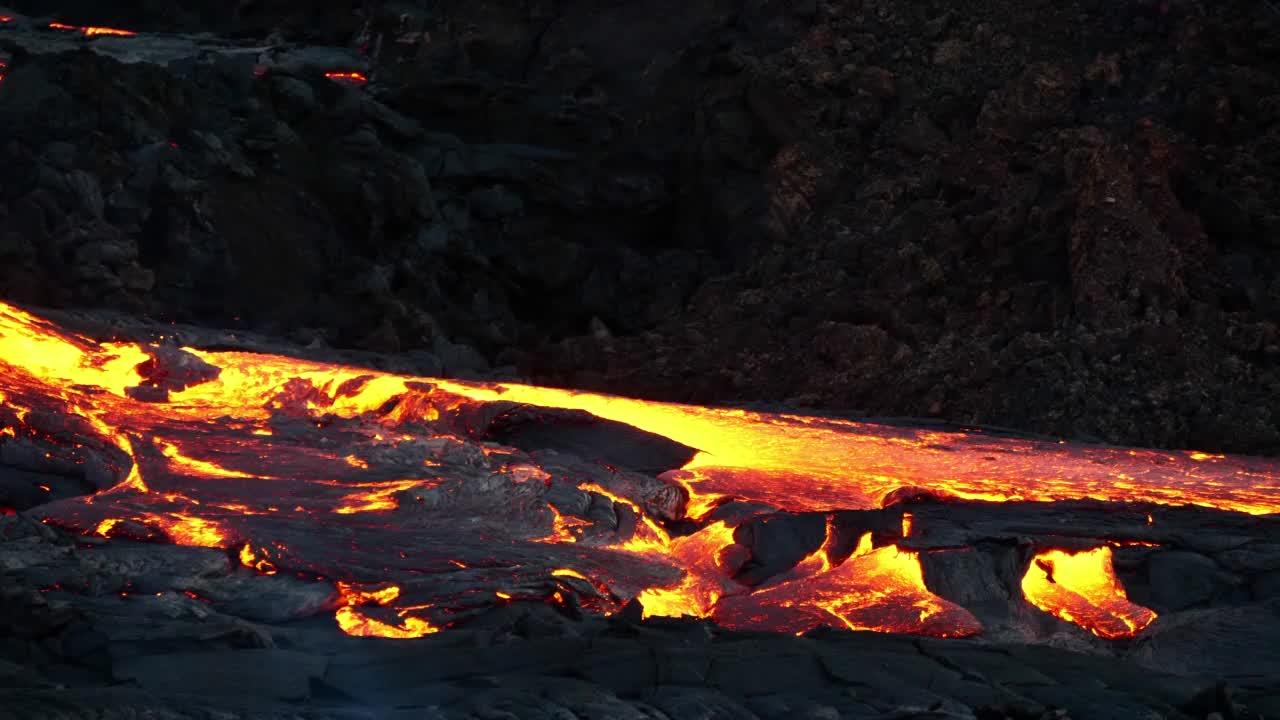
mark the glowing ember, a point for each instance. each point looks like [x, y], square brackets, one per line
[304, 466]
[1082, 588]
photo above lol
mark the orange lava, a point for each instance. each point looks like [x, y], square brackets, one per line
[704, 583]
[818, 464]
[105, 527]
[562, 528]
[381, 496]
[355, 78]
[197, 532]
[91, 31]
[872, 589]
[256, 559]
[216, 431]
[1082, 588]
[354, 622]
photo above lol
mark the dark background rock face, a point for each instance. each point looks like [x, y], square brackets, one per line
[1056, 217]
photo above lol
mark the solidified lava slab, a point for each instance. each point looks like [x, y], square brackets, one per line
[427, 500]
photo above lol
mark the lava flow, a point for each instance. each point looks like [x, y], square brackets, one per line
[349, 77]
[1082, 588]
[397, 489]
[91, 31]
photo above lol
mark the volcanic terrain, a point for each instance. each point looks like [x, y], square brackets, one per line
[578, 360]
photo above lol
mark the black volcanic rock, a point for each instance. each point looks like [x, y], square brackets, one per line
[584, 435]
[1180, 580]
[267, 673]
[793, 204]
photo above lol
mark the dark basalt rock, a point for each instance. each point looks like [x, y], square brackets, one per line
[1181, 580]
[270, 673]
[579, 433]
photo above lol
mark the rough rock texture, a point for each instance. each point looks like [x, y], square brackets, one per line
[1046, 218]
[166, 651]
[1054, 217]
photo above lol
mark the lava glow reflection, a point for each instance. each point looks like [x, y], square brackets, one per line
[233, 450]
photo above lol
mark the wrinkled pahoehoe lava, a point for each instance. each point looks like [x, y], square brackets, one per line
[412, 496]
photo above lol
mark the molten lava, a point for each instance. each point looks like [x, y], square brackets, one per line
[872, 589]
[354, 622]
[349, 77]
[90, 31]
[1082, 588]
[381, 482]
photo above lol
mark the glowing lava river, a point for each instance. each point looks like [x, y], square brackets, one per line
[424, 501]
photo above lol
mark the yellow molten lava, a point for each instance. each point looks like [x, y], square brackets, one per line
[819, 464]
[380, 497]
[104, 528]
[256, 560]
[703, 585]
[873, 590]
[188, 530]
[1082, 588]
[354, 622]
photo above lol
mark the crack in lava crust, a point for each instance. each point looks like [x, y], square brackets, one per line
[388, 486]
